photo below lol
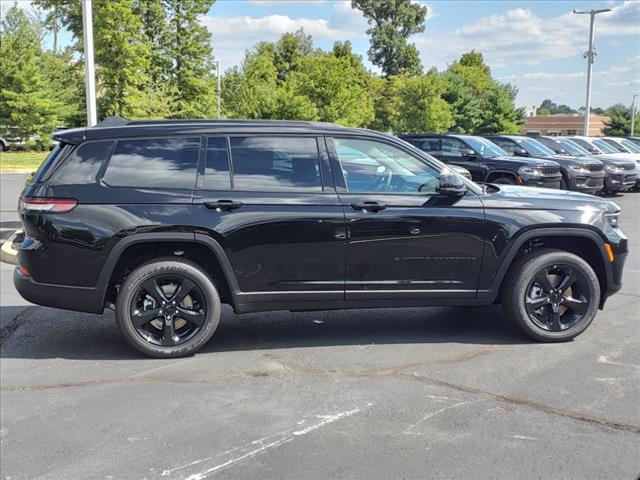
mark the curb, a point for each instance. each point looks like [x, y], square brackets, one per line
[8, 254]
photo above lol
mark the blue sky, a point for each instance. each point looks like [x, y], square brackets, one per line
[536, 45]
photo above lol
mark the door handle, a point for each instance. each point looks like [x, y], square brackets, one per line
[368, 206]
[223, 205]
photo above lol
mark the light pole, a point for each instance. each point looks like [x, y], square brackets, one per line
[89, 69]
[633, 113]
[590, 56]
[219, 98]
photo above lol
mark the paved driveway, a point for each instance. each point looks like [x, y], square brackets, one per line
[410, 393]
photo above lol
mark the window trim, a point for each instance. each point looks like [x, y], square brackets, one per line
[338, 165]
[116, 141]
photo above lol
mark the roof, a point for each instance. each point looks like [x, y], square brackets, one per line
[116, 127]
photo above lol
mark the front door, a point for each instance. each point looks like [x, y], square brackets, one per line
[270, 202]
[406, 241]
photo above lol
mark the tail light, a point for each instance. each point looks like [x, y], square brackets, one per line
[50, 205]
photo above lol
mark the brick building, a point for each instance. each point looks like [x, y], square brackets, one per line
[564, 125]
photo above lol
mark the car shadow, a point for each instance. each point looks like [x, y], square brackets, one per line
[49, 333]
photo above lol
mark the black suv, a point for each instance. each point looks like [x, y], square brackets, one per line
[165, 220]
[486, 161]
[581, 174]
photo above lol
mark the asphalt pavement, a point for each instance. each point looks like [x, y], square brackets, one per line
[409, 393]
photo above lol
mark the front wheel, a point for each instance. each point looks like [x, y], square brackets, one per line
[552, 295]
[168, 308]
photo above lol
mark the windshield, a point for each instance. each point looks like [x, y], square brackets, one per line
[616, 145]
[534, 147]
[630, 146]
[587, 145]
[604, 146]
[573, 148]
[551, 144]
[484, 147]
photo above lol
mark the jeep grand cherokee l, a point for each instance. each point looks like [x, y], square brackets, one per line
[486, 161]
[165, 220]
[583, 175]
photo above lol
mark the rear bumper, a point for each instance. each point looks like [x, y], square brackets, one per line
[66, 297]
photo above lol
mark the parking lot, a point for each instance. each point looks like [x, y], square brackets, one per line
[410, 393]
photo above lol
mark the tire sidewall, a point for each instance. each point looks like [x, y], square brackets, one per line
[524, 278]
[152, 269]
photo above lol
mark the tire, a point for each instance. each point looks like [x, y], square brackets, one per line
[504, 181]
[139, 310]
[556, 265]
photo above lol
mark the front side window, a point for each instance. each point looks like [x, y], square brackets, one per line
[374, 167]
[534, 147]
[507, 145]
[452, 147]
[275, 164]
[154, 163]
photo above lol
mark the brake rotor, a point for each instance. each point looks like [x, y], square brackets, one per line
[187, 302]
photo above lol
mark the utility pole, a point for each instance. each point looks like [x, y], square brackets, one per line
[633, 112]
[89, 69]
[219, 92]
[590, 56]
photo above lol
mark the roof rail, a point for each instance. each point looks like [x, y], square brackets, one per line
[116, 121]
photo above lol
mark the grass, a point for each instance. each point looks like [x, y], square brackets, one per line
[21, 161]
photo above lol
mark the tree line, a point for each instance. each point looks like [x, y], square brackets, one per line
[154, 60]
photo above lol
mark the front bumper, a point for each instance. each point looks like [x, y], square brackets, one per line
[620, 182]
[588, 183]
[544, 182]
[66, 297]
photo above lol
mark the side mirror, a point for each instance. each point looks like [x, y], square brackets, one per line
[468, 152]
[520, 152]
[451, 185]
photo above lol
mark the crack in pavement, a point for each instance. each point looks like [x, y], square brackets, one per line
[399, 371]
[13, 325]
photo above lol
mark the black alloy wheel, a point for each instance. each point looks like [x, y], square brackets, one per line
[556, 298]
[168, 310]
[168, 307]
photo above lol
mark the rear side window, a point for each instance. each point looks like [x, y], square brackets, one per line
[154, 163]
[83, 164]
[216, 167]
[275, 163]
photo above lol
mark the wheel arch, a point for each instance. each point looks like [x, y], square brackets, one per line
[137, 248]
[584, 242]
[493, 174]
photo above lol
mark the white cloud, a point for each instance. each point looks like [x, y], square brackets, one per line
[520, 37]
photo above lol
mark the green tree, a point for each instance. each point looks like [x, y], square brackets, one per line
[392, 22]
[192, 80]
[65, 78]
[28, 105]
[479, 103]
[547, 107]
[619, 124]
[423, 109]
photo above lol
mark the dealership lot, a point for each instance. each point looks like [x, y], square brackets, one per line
[413, 393]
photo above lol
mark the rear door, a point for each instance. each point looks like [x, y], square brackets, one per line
[269, 200]
[406, 241]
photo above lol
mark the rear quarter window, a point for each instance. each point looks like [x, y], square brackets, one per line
[154, 163]
[83, 164]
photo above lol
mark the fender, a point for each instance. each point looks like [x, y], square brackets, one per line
[122, 245]
[525, 236]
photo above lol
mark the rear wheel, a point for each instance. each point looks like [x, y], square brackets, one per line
[168, 308]
[552, 295]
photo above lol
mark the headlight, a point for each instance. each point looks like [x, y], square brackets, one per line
[613, 169]
[578, 169]
[529, 171]
[612, 218]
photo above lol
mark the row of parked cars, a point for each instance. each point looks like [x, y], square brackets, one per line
[586, 164]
